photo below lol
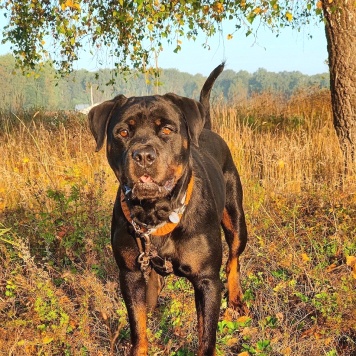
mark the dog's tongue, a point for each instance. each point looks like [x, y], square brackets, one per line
[146, 179]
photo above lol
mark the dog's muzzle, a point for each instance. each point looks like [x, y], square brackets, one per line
[143, 172]
[147, 188]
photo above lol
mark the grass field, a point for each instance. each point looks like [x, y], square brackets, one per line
[58, 280]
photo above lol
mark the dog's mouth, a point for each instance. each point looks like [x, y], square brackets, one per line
[147, 188]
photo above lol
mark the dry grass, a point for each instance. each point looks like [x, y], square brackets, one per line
[58, 289]
[289, 145]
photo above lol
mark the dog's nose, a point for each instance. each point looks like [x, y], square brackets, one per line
[144, 156]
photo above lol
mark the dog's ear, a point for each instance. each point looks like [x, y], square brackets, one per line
[193, 113]
[99, 117]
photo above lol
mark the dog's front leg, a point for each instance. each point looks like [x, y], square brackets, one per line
[207, 301]
[133, 289]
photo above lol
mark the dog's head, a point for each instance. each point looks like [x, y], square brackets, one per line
[148, 140]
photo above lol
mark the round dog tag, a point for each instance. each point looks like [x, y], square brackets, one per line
[174, 217]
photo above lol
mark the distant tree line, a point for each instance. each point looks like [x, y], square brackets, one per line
[41, 89]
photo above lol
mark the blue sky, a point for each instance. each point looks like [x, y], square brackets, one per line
[290, 51]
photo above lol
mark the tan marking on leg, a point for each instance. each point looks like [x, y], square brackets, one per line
[142, 349]
[233, 282]
[227, 220]
[235, 294]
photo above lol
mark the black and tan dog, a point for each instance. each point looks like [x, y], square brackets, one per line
[178, 186]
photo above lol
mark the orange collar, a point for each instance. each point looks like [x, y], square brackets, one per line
[166, 227]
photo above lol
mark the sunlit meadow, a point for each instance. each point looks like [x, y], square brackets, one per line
[58, 281]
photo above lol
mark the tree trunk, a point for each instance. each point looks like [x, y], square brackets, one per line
[340, 28]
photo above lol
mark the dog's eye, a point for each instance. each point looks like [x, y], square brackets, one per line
[166, 130]
[123, 133]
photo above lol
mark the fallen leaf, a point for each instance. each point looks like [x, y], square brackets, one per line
[287, 351]
[287, 261]
[331, 267]
[47, 340]
[243, 319]
[280, 317]
[233, 341]
[318, 335]
[351, 261]
[305, 257]
[308, 332]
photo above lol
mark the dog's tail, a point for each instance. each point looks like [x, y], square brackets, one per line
[205, 93]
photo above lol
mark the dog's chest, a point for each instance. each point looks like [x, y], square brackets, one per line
[165, 246]
[180, 252]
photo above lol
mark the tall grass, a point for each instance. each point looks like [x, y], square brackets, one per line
[288, 145]
[285, 145]
[58, 281]
[46, 150]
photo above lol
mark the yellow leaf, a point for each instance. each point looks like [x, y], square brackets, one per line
[287, 261]
[319, 5]
[47, 340]
[257, 10]
[317, 335]
[245, 353]
[280, 164]
[305, 257]
[280, 286]
[243, 319]
[233, 341]
[328, 341]
[351, 261]
[287, 351]
[229, 36]
[289, 16]
[218, 7]
[71, 4]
